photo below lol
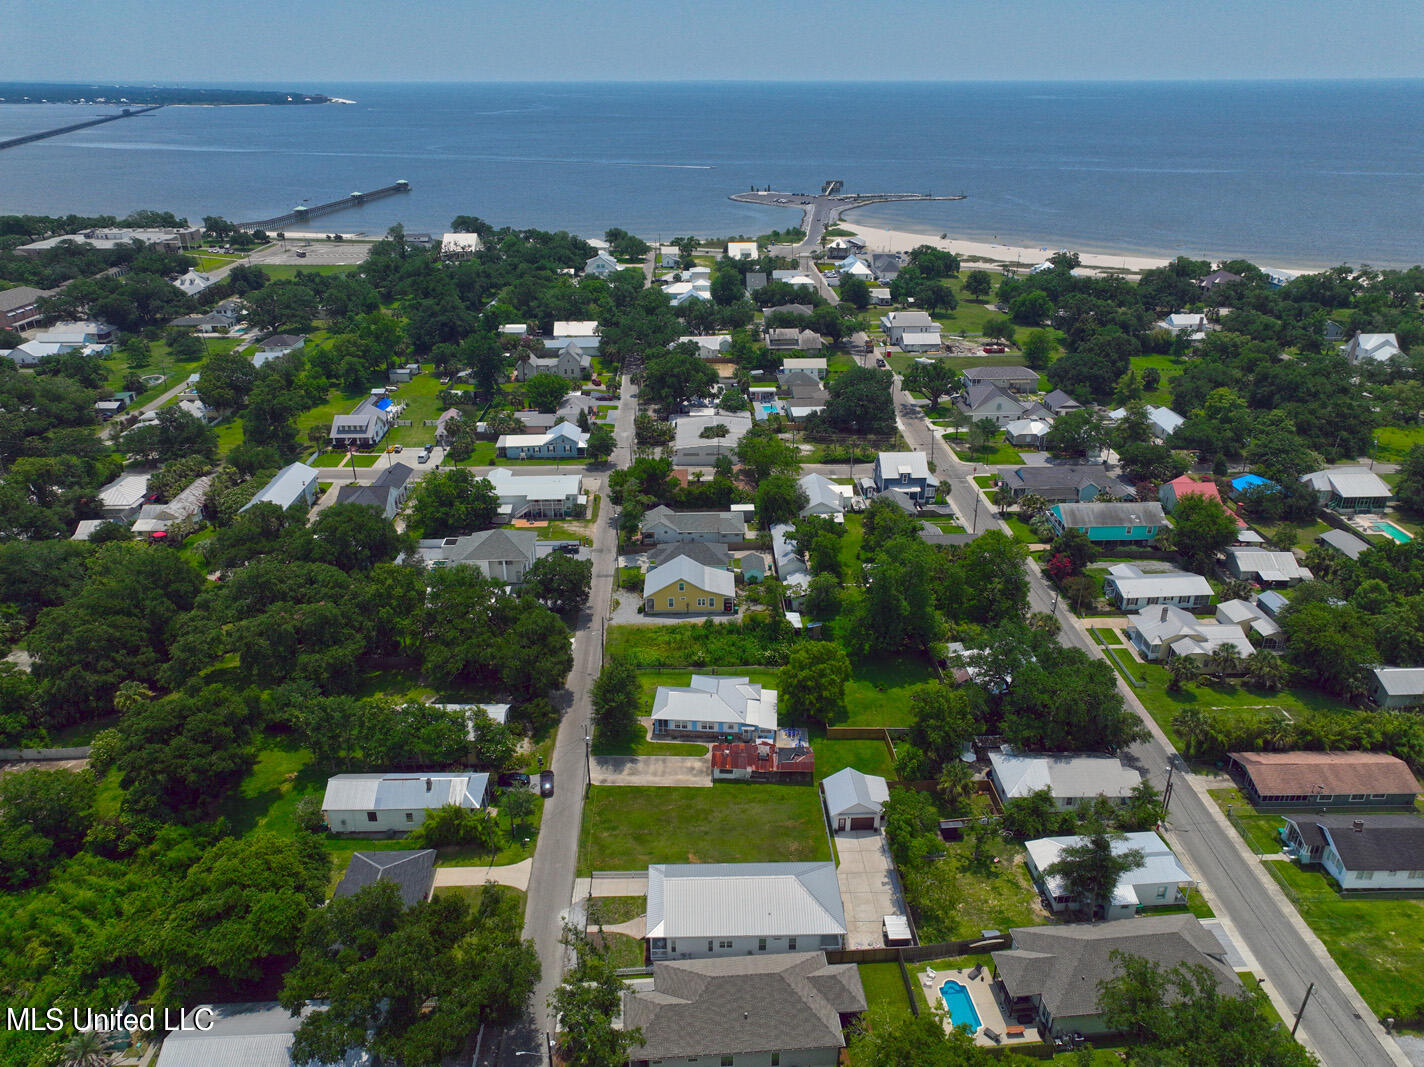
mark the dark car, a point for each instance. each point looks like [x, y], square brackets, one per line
[546, 783]
[513, 779]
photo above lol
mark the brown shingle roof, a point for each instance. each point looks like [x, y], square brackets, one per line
[1277, 774]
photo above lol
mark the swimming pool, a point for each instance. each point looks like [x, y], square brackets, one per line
[959, 1004]
[1389, 529]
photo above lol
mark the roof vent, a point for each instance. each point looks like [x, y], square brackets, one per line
[1358, 825]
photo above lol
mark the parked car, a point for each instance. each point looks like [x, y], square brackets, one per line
[880, 362]
[424, 457]
[546, 783]
[513, 779]
[398, 449]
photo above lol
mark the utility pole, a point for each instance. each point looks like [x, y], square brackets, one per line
[1167, 791]
[1304, 1001]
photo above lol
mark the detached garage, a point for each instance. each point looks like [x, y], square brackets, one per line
[855, 801]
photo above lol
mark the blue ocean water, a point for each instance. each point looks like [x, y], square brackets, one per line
[1288, 173]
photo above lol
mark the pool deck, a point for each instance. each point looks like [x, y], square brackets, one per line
[981, 991]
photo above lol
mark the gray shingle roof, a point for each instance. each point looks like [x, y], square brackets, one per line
[740, 1005]
[412, 870]
[1130, 514]
[1064, 964]
[1384, 842]
[708, 553]
[721, 522]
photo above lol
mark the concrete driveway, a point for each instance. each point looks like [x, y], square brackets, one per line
[870, 889]
[652, 770]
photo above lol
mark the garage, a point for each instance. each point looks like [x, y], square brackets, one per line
[863, 822]
[854, 801]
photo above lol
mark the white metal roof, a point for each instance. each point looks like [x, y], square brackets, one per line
[1063, 775]
[287, 486]
[717, 698]
[1401, 681]
[1349, 482]
[744, 900]
[124, 491]
[1135, 584]
[402, 792]
[1159, 865]
[850, 792]
[685, 569]
[1266, 565]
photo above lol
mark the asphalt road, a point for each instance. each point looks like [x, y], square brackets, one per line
[1336, 1025]
[551, 879]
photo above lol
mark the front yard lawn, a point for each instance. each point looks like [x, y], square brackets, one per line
[996, 452]
[639, 745]
[1392, 443]
[1259, 830]
[623, 951]
[1377, 941]
[610, 911]
[1021, 531]
[625, 828]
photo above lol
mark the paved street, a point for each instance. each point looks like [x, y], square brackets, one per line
[551, 879]
[1337, 1025]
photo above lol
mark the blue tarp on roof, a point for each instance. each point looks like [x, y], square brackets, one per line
[1252, 481]
[384, 403]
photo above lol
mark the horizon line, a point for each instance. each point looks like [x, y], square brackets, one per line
[149, 82]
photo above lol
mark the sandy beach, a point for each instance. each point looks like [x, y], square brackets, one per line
[1022, 256]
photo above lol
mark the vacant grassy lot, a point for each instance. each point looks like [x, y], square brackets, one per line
[623, 951]
[161, 361]
[280, 271]
[1163, 704]
[1378, 942]
[625, 828]
[869, 757]
[1392, 443]
[956, 898]
[639, 745]
[418, 395]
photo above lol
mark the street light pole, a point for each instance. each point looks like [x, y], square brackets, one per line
[1304, 1001]
[1167, 792]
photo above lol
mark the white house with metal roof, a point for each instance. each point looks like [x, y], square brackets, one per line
[380, 803]
[1398, 687]
[536, 496]
[823, 496]
[1070, 779]
[1265, 566]
[1263, 631]
[855, 801]
[705, 910]
[121, 499]
[1163, 631]
[256, 1034]
[1374, 347]
[1131, 588]
[715, 706]
[1159, 881]
[1354, 489]
[912, 331]
[295, 483]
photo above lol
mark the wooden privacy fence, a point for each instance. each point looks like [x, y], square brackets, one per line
[916, 953]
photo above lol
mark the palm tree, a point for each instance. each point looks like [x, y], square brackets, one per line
[1033, 505]
[1223, 660]
[1191, 725]
[1236, 589]
[1184, 670]
[131, 695]
[85, 1049]
[1264, 670]
[1003, 498]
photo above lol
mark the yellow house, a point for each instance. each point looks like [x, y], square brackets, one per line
[682, 586]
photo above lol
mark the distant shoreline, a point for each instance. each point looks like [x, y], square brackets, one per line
[148, 95]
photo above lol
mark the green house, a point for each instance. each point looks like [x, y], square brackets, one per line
[1134, 523]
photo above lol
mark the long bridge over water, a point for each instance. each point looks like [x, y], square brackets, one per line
[821, 210]
[126, 113]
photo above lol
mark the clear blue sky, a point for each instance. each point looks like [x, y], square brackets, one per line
[304, 43]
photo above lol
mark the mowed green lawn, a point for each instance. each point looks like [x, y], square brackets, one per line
[1392, 443]
[869, 757]
[625, 828]
[1378, 943]
[884, 989]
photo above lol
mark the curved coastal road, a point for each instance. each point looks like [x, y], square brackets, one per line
[1337, 1025]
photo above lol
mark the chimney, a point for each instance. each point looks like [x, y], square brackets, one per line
[1164, 613]
[429, 785]
[1359, 826]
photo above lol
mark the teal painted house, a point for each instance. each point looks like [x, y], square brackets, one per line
[1111, 524]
